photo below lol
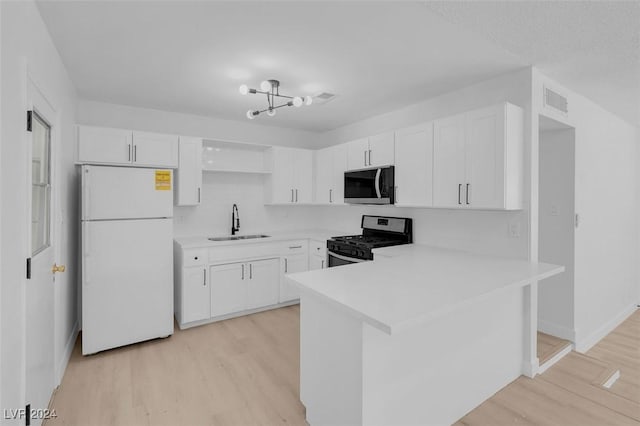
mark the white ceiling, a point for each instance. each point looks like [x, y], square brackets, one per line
[191, 57]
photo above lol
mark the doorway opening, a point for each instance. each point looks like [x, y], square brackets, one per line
[556, 239]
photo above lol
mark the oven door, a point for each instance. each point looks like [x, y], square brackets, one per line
[372, 186]
[336, 259]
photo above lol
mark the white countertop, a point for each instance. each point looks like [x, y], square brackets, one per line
[203, 241]
[411, 284]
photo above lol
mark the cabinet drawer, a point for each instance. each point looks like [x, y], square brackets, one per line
[294, 247]
[318, 247]
[194, 257]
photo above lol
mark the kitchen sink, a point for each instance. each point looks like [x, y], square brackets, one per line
[238, 237]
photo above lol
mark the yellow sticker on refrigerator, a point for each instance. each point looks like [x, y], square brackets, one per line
[163, 180]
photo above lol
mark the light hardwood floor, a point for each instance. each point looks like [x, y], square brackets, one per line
[244, 371]
[548, 346]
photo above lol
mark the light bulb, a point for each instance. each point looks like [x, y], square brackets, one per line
[251, 115]
[271, 112]
[297, 101]
[308, 100]
[265, 86]
[244, 89]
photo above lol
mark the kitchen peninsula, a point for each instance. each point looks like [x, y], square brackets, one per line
[421, 335]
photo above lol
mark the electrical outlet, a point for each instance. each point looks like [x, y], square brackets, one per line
[514, 230]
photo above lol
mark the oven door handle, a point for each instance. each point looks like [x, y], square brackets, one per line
[345, 258]
[378, 172]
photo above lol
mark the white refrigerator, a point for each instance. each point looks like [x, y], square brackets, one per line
[127, 256]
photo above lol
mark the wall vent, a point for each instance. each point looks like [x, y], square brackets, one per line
[555, 101]
[323, 98]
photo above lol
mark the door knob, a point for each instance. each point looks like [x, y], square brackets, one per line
[58, 268]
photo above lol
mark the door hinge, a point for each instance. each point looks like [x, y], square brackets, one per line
[27, 415]
[29, 120]
[28, 268]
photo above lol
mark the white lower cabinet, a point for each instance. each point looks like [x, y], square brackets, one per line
[262, 283]
[317, 262]
[228, 289]
[292, 264]
[196, 304]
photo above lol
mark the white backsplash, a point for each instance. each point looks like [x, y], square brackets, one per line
[221, 190]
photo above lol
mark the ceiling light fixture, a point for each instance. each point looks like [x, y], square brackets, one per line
[271, 88]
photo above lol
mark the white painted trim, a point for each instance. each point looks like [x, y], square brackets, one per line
[583, 344]
[557, 357]
[556, 330]
[66, 356]
[530, 369]
[611, 380]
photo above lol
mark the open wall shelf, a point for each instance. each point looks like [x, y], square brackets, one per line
[234, 157]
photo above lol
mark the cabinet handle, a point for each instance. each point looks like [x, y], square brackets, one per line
[198, 195]
[292, 195]
[243, 271]
[204, 279]
[251, 271]
[286, 265]
[330, 194]
[294, 247]
[466, 195]
[135, 153]
[369, 157]
[365, 157]
[128, 152]
[296, 195]
[459, 190]
[322, 264]
[396, 194]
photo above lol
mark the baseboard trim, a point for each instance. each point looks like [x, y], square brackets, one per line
[530, 368]
[584, 344]
[557, 357]
[557, 330]
[66, 356]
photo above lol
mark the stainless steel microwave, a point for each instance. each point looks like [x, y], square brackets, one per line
[370, 186]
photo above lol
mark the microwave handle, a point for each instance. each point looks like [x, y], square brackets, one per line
[378, 172]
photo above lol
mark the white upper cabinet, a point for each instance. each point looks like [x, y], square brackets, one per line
[291, 180]
[414, 166]
[103, 145]
[330, 165]
[155, 150]
[99, 145]
[374, 151]
[381, 149]
[189, 173]
[478, 159]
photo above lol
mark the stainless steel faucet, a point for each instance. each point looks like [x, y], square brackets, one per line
[235, 220]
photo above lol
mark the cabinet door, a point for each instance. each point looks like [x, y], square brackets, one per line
[228, 288]
[317, 262]
[102, 145]
[281, 179]
[189, 173]
[339, 159]
[157, 150]
[357, 154]
[484, 149]
[263, 283]
[381, 150]
[291, 265]
[414, 165]
[323, 175]
[303, 175]
[448, 162]
[196, 297]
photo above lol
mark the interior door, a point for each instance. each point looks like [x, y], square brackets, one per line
[39, 310]
[448, 162]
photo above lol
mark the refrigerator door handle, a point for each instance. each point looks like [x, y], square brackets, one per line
[86, 253]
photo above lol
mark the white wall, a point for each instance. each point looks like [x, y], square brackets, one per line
[127, 117]
[480, 231]
[220, 191]
[606, 199]
[26, 41]
[556, 231]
